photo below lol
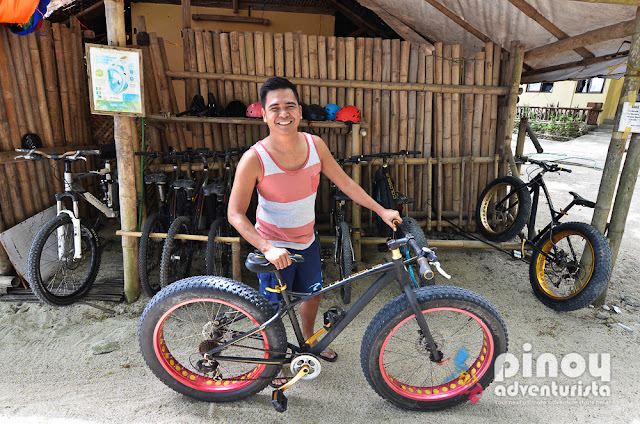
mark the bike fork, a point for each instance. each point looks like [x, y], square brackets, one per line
[436, 355]
[77, 240]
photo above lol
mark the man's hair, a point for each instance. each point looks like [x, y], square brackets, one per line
[276, 83]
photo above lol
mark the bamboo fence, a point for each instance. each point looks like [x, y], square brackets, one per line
[440, 104]
[44, 91]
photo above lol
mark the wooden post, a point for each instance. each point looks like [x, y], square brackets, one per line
[122, 132]
[522, 134]
[517, 52]
[356, 149]
[616, 150]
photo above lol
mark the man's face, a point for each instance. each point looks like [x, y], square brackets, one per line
[282, 112]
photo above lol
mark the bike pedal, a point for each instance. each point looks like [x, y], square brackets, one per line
[279, 401]
[333, 315]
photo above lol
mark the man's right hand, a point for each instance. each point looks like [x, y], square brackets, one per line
[277, 256]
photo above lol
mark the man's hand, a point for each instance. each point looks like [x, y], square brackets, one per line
[390, 215]
[277, 256]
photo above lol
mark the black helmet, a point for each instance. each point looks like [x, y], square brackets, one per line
[31, 141]
[236, 108]
[314, 113]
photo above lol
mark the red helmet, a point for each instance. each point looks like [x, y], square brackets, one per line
[255, 110]
[348, 114]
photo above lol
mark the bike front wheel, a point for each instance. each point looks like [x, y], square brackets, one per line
[176, 253]
[467, 330]
[346, 260]
[150, 253]
[571, 266]
[197, 314]
[56, 277]
[503, 208]
[218, 257]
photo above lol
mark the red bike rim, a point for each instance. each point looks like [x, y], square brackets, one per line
[196, 381]
[458, 385]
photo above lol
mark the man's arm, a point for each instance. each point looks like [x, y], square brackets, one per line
[335, 173]
[247, 174]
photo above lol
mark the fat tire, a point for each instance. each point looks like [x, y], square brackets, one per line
[155, 223]
[209, 287]
[219, 227]
[168, 266]
[518, 187]
[36, 284]
[418, 233]
[346, 261]
[396, 311]
[602, 267]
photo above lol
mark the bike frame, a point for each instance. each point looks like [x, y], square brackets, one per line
[391, 271]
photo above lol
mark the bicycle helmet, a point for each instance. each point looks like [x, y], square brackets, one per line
[255, 110]
[348, 114]
[236, 108]
[31, 141]
[331, 109]
[314, 113]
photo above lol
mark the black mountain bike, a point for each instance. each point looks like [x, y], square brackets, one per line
[571, 261]
[218, 340]
[218, 254]
[387, 195]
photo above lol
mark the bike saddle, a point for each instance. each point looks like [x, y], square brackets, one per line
[579, 200]
[158, 178]
[214, 188]
[185, 184]
[256, 262]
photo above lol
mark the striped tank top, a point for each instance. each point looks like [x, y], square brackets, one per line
[286, 199]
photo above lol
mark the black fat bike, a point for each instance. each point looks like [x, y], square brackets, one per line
[571, 261]
[215, 339]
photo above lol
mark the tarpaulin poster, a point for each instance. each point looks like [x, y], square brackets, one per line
[115, 80]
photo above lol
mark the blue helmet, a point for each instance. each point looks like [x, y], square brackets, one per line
[331, 109]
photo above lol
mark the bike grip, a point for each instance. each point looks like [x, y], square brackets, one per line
[425, 268]
[565, 170]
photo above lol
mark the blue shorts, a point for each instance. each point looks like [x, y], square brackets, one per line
[302, 277]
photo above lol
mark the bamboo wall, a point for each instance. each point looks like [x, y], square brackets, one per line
[43, 90]
[458, 132]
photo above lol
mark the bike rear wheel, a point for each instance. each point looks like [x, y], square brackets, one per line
[466, 328]
[571, 268]
[345, 257]
[150, 253]
[197, 314]
[176, 253]
[503, 208]
[218, 257]
[55, 277]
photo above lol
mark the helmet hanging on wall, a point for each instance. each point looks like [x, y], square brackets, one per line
[314, 113]
[348, 114]
[254, 110]
[236, 108]
[331, 109]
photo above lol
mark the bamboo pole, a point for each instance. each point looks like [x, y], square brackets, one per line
[258, 39]
[394, 124]
[376, 115]
[468, 137]
[438, 118]
[77, 58]
[350, 68]
[322, 69]
[494, 141]
[486, 119]
[419, 128]
[456, 58]
[332, 70]
[225, 50]
[428, 135]
[341, 57]
[251, 70]
[269, 60]
[313, 68]
[51, 87]
[222, 94]
[447, 185]
[170, 88]
[385, 105]
[476, 146]
[197, 130]
[73, 98]
[304, 67]
[412, 76]
[517, 52]
[124, 151]
[204, 85]
[236, 66]
[522, 134]
[278, 48]
[25, 57]
[439, 194]
[367, 101]
[297, 66]
[210, 65]
[248, 140]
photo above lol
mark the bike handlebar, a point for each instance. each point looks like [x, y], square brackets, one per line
[423, 262]
[546, 166]
[71, 155]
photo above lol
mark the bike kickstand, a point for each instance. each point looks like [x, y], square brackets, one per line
[278, 399]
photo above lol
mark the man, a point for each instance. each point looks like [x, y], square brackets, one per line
[285, 168]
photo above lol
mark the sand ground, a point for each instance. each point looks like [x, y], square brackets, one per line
[49, 372]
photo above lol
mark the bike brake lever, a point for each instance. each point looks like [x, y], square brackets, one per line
[440, 270]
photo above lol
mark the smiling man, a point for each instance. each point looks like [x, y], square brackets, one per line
[285, 168]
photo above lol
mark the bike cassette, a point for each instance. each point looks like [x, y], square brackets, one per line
[311, 361]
